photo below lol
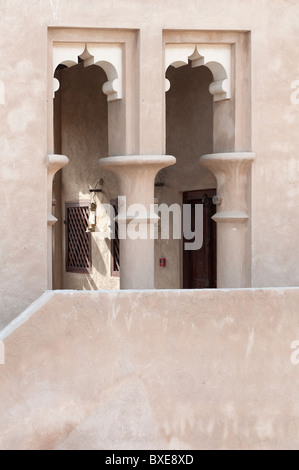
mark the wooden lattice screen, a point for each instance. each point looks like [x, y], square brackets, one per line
[115, 261]
[78, 242]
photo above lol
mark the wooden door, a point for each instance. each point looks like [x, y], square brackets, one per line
[199, 266]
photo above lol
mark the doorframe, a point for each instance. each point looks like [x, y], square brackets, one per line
[195, 195]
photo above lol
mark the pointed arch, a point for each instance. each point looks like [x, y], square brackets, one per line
[217, 57]
[106, 56]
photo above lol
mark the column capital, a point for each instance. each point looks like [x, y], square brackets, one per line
[227, 163]
[155, 162]
[136, 175]
[54, 163]
[136, 178]
[230, 171]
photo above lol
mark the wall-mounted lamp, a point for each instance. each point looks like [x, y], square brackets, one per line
[92, 219]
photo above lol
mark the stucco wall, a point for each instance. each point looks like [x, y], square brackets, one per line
[23, 146]
[150, 370]
[24, 121]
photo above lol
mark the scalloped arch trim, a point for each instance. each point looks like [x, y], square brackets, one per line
[217, 57]
[108, 56]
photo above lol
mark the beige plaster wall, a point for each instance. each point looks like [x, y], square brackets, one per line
[150, 370]
[275, 138]
[84, 138]
[24, 121]
[23, 147]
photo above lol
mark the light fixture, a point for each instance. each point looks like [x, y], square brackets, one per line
[92, 219]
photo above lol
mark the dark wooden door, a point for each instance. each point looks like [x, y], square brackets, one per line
[199, 266]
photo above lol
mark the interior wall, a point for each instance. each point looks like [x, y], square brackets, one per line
[189, 135]
[84, 139]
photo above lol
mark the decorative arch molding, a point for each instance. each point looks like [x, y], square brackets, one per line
[217, 57]
[106, 55]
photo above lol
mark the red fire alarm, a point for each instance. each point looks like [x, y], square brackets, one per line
[162, 262]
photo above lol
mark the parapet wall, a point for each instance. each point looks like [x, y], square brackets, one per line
[152, 370]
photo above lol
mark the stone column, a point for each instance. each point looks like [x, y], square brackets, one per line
[54, 164]
[230, 171]
[136, 177]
